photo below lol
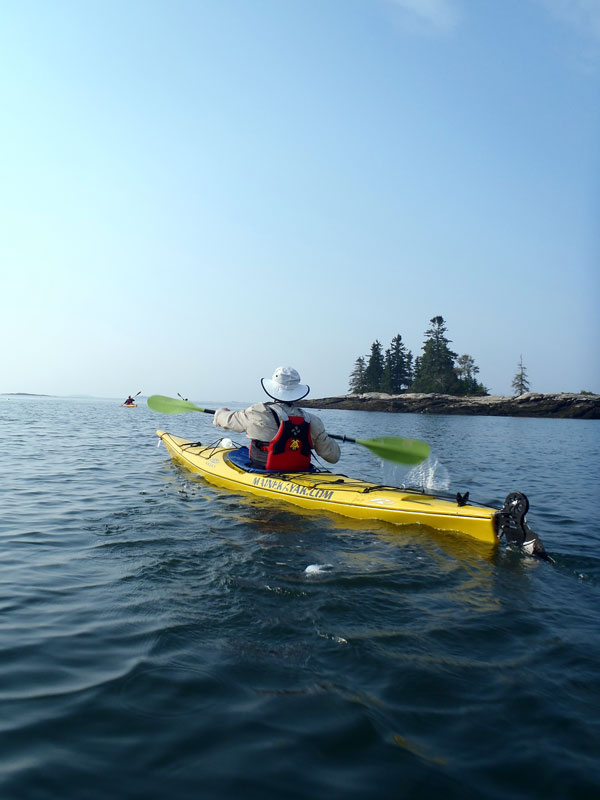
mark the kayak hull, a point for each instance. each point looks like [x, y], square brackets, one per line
[327, 491]
[128, 405]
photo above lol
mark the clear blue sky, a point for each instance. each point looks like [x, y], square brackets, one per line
[194, 192]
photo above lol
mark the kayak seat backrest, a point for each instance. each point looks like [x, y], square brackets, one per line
[241, 458]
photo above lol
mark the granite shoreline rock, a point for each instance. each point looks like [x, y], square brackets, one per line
[530, 404]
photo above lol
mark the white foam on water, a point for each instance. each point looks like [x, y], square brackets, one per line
[317, 569]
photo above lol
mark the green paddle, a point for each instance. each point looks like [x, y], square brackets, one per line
[170, 405]
[390, 448]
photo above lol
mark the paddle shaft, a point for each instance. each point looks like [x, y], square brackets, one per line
[343, 438]
[390, 448]
[331, 435]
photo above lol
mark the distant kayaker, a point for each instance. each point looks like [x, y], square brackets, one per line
[129, 402]
[282, 434]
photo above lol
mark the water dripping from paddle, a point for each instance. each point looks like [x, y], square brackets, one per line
[430, 476]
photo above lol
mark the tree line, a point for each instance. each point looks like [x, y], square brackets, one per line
[438, 370]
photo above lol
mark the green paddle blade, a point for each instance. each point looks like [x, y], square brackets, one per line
[170, 405]
[399, 450]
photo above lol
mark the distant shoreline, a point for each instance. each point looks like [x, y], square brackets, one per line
[562, 405]
[531, 404]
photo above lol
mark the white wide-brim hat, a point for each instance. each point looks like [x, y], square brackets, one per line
[285, 385]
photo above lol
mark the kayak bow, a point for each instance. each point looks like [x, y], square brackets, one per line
[230, 468]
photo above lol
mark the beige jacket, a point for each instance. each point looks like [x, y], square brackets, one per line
[257, 422]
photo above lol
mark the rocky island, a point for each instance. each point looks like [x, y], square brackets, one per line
[530, 404]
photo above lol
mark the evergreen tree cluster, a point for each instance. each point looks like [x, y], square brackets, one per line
[437, 370]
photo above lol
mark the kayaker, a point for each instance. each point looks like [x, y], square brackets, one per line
[282, 434]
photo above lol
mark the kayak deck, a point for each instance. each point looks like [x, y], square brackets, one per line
[327, 491]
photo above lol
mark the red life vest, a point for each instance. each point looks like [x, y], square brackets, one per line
[289, 450]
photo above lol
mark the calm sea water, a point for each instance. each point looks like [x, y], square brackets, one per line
[160, 638]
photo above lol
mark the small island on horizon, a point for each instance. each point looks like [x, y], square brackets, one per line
[530, 404]
[439, 381]
[25, 394]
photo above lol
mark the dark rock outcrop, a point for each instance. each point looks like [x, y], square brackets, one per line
[531, 404]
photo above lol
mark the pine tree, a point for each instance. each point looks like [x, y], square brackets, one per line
[374, 370]
[416, 373]
[520, 383]
[386, 378]
[410, 369]
[400, 360]
[357, 377]
[436, 366]
[466, 370]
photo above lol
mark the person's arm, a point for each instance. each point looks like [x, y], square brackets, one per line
[231, 420]
[324, 445]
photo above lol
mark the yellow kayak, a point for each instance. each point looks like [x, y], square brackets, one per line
[229, 467]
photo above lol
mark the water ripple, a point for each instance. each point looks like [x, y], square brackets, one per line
[162, 637]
